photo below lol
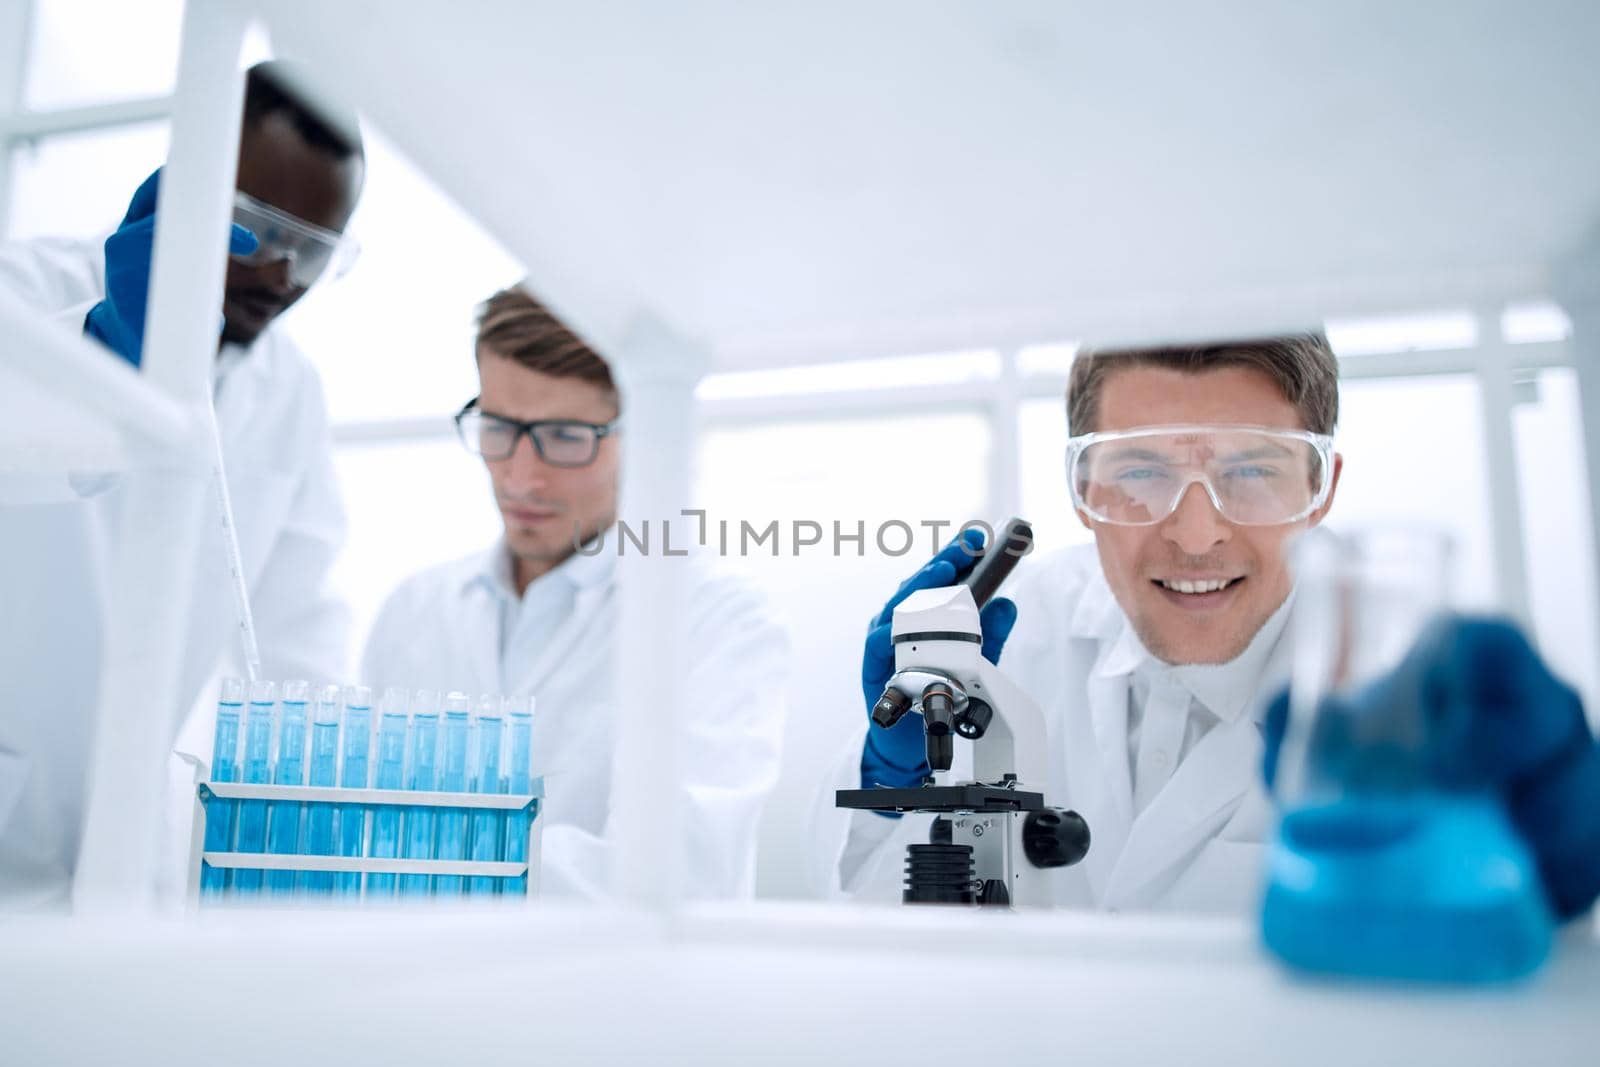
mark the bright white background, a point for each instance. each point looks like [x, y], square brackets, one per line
[981, 435]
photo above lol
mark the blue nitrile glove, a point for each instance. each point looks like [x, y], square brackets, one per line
[1497, 718]
[898, 756]
[118, 321]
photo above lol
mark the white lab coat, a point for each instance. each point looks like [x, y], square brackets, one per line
[1197, 845]
[56, 537]
[442, 629]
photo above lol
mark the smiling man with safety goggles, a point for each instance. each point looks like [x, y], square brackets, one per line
[1153, 654]
[1149, 653]
[1193, 485]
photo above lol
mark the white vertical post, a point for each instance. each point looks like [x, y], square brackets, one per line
[1005, 457]
[161, 507]
[16, 31]
[657, 372]
[195, 208]
[1497, 387]
[1578, 290]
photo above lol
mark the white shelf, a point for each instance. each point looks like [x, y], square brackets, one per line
[798, 182]
[768, 985]
[67, 405]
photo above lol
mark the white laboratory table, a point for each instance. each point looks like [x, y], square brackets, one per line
[749, 985]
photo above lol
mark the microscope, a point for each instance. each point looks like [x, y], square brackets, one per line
[994, 841]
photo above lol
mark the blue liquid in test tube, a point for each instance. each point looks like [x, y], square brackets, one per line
[422, 775]
[453, 779]
[390, 774]
[224, 768]
[519, 779]
[323, 772]
[283, 831]
[488, 826]
[354, 773]
[257, 770]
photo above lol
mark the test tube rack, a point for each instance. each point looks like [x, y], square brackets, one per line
[370, 800]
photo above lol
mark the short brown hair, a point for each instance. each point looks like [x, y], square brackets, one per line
[1302, 365]
[512, 324]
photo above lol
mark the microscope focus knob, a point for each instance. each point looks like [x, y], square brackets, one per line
[973, 721]
[1052, 837]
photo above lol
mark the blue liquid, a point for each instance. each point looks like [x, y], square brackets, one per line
[319, 817]
[452, 821]
[283, 834]
[1418, 886]
[353, 774]
[257, 771]
[519, 779]
[487, 826]
[220, 813]
[422, 776]
[386, 820]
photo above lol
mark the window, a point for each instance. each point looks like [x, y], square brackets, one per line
[1556, 528]
[1398, 469]
[942, 368]
[92, 52]
[924, 466]
[394, 336]
[79, 185]
[411, 504]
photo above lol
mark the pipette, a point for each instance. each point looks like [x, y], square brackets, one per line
[230, 544]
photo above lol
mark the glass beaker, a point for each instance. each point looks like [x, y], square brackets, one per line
[1362, 602]
[1377, 870]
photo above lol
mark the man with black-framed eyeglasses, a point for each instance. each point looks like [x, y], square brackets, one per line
[534, 615]
[541, 530]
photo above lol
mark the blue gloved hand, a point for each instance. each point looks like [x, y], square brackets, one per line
[898, 756]
[118, 321]
[1496, 718]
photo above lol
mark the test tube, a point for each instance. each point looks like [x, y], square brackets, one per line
[519, 780]
[283, 831]
[390, 775]
[354, 773]
[453, 779]
[324, 768]
[224, 768]
[422, 775]
[257, 770]
[488, 825]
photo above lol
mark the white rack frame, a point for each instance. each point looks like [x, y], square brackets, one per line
[532, 802]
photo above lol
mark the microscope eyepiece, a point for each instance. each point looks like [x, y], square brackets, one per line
[1010, 544]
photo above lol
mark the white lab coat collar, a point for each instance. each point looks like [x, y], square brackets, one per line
[1099, 618]
[1229, 689]
[229, 357]
[1135, 853]
[493, 570]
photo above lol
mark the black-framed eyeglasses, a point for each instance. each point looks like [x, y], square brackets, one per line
[559, 442]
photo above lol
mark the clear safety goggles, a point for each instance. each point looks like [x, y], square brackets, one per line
[1254, 476]
[310, 250]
